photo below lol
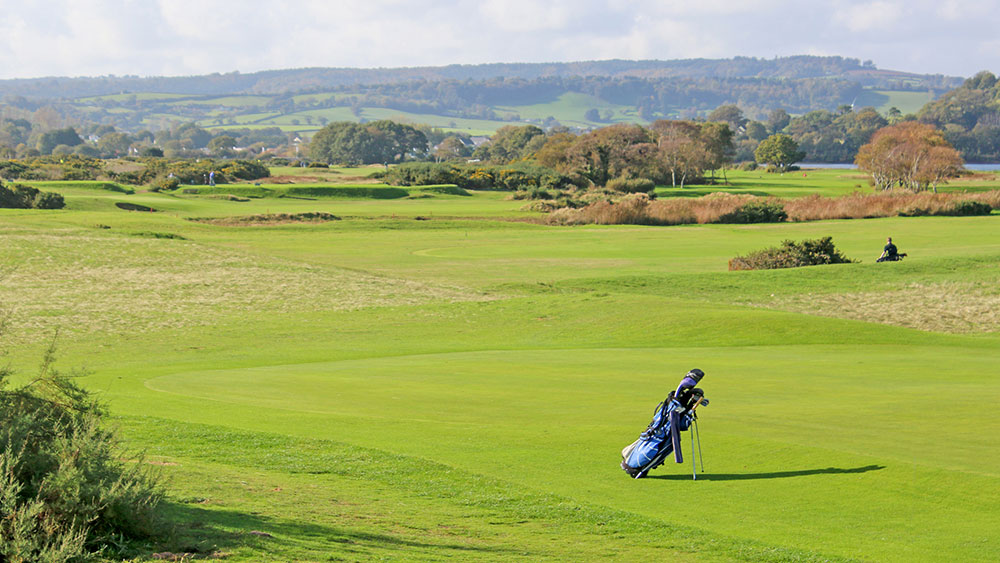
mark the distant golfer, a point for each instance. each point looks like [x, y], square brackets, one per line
[890, 253]
[211, 178]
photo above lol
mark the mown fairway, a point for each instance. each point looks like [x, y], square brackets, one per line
[460, 387]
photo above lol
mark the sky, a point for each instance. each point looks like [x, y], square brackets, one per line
[191, 37]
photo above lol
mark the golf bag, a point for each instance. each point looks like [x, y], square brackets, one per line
[662, 437]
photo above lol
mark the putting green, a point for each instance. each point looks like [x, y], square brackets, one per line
[798, 433]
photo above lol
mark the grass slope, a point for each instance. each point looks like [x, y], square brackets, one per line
[397, 389]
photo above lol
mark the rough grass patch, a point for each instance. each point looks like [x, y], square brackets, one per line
[951, 307]
[269, 219]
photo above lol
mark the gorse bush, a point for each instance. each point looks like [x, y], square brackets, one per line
[791, 254]
[757, 211]
[65, 493]
[19, 196]
[631, 185]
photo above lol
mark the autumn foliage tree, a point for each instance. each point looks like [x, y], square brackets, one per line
[909, 155]
[615, 151]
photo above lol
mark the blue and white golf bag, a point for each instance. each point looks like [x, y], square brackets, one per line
[662, 437]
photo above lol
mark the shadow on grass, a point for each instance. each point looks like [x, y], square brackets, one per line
[204, 531]
[772, 475]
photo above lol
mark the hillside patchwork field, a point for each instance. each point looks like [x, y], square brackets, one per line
[437, 376]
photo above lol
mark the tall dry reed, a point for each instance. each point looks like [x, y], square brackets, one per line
[638, 209]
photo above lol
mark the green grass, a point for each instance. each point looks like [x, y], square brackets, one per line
[904, 100]
[569, 109]
[226, 101]
[384, 388]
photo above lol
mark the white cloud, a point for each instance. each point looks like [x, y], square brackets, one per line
[154, 37]
[867, 16]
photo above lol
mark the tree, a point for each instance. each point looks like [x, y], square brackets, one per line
[554, 153]
[451, 148]
[777, 120]
[756, 131]
[910, 155]
[511, 142]
[50, 139]
[378, 142]
[620, 150]
[222, 146]
[718, 141]
[730, 114]
[681, 150]
[114, 144]
[779, 150]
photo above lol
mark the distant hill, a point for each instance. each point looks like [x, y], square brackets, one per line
[471, 99]
[303, 79]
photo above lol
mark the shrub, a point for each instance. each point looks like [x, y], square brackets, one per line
[756, 211]
[48, 200]
[791, 254]
[64, 489]
[318, 165]
[166, 183]
[12, 169]
[748, 166]
[967, 208]
[19, 196]
[631, 185]
[512, 177]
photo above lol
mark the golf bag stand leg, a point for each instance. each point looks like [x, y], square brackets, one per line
[694, 468]
[697, 434]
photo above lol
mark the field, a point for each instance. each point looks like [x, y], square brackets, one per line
[460, 386]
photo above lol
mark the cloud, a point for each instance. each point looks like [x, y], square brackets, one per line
[867, 16]
[172, 37]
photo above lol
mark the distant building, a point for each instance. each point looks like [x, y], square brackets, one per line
[479, 140]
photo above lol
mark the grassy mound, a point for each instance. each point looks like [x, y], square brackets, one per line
[88, 185]
[340, 192]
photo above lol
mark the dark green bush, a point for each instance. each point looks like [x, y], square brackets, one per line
[65, 491]
[968, 208]
[19, 196]
[791, 254]
[12, 169]
[756, 212]
[165, 184]
[511, 177]
[631, 185]
[445, 189]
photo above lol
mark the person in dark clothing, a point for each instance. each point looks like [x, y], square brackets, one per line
[890, 253]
